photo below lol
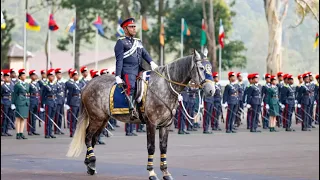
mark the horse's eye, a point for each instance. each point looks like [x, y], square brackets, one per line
[201, 68]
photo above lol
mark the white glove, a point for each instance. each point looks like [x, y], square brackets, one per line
[315, 102]
[13, 107]
[267, 106]
[225, 105]
[295, 101]
[180, 98]
[244, 104]
[295, 105]
[153, 65]
[282, 106]
[201, 105]
[67, 107]
[262, 104]
[248, 106]
[41, 109]
[119, 80]
[299, 105]
[44, 106]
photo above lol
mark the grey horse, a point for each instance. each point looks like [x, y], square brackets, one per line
[161, 100]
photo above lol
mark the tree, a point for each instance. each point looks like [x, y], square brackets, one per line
[192, 12]
[6, 41]
[86, 11]
[276, 12]
[307, 7]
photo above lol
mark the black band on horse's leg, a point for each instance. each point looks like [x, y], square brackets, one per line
[151, 149]
[163, 136]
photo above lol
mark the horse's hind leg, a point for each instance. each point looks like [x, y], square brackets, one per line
[151, 132]
[163, 140]
[90, 140]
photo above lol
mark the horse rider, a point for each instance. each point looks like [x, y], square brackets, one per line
[6, 111]
[34, 103]
[128, 52]
[61, 96]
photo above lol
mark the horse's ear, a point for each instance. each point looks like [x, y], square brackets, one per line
[197, 55]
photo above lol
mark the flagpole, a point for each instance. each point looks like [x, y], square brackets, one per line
[97, 51]
[25, 38]
[220, 57]
[49, 46]
[162, 47]
[141, 19]
[74, 36]
[182, 28]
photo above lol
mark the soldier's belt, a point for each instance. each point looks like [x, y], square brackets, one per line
[6, 97]
[76, 95]
[25, 95]
[51, 97]
[35, 94]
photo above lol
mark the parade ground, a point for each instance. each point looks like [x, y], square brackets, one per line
[219, 156]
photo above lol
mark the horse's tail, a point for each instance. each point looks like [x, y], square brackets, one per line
[78, 141]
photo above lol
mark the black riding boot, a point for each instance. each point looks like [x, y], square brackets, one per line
[133, 113]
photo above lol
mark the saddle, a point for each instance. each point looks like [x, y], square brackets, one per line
[118, 102]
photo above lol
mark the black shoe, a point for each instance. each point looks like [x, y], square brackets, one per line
[228, 131]
[181, 132]
[18, 136]
[117, 126]
[194, 129]
[35, 133]
[138, 130]
[186, 132]
[8, 134]
[101, 143]
[57, 133]
[207, 132]
[189, 129]
[308, 129]
[258, 131]
[52, 136]
[214, 129]
[30, 133]
[253, 131]
[313, 126]
[128, 134]
[71, 135]
[4, 134]
[62, 133]
[23, 137]
[234, 131]
[47, 137]
[134, 134]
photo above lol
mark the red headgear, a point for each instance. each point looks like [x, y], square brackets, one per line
[22, 71]
[104, 71]
[255, 75]
[267, 76]
[42, 72]
[273, 77]
[70, 70]
[231, 74]
[128, 22]
[299, 76]
[285, 76]
[6, 72]
[317, 76]
[32, 72]
[238, 74]
[50, 72]
[305, 75]
[83, 69]
[280, 74]
[310, 73]
[94, 73]
[215, 74]
[12, 70]
[289, 76]
[73, 72]
[58, 70]
[113, 73]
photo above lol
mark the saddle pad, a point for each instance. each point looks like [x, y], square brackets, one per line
[119, 103]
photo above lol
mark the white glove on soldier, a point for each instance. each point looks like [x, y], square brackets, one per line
[315, 102]
[225, 105]
[180, 98]
[67, 107]
[267, 106]
[299, 105]
[295, 101]
[283, 106]
[295, 105]
[41, 109]
[248, 106]
[153, 65]
[119, 80]
[13, 107]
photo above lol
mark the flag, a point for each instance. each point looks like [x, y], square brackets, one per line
[161, 35]
[71, 26]
[98, 25]
[31, 24]
[3, 22]
[221, 35]
[316, 42]
[203, 39]
[52, 23]
[144, 24]
[120, 31]
[186, 30]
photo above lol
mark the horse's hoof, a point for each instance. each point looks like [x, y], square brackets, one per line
[167, 177]
[91, 171]
[153, 178]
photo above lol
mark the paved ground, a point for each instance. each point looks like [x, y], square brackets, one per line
[241, 156]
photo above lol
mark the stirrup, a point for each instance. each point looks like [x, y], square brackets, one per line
[134, 115]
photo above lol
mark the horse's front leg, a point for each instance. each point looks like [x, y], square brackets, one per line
[151, 132]
[163, 136]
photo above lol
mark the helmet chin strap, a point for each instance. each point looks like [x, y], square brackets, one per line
[128, 32]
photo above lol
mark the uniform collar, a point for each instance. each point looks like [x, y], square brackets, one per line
[22, 82]
[7, 84]
[34, 82]
[13, 79]
[51, 83]
[72, 80]
[44, 79]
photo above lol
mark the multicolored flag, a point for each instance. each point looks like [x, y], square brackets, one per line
[203, 40]
[71, 26]
[144, 24]
[316, 42]
[120, 31]
[31, 24]
[185, 29]
[3, 22]
[221, 35]
[98, 25]
[52, 23]
[162, 35]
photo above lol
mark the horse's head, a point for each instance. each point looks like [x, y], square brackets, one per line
[201, 74]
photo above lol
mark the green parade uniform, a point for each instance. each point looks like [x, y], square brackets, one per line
[20, 98]
[273, 101]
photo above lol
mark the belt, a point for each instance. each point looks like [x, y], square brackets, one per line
[234, 94]
[6, 97]
[76, 95]
[51, 97]
[274, 96]
[35, 94]
[25, 95]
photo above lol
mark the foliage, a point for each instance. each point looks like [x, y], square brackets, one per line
[6, 40]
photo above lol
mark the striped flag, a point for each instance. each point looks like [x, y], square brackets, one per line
[52, 23]
[31, 24]
[71, 26]
[120, 31]
[221, 35]
[3, 22]
[203, 39]
[144, 24]
[161, 35]
[98, 25]
[316, 42]
[186, 30]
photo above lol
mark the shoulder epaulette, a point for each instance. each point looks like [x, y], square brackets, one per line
[120, 38]
[136, 39]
